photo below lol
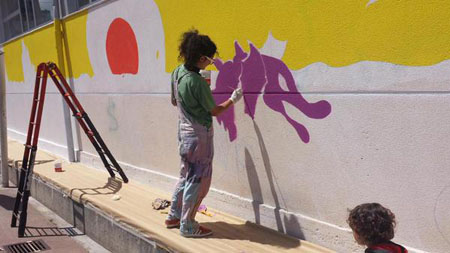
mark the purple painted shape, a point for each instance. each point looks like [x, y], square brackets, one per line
[275, 67]
[276, 104]
[253, 79]
[225, 84]
[227, 117]
[318, 110]
[256, 72]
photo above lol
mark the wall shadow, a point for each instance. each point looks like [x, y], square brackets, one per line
[268, 168]
[289, 224]
[255, 185]
[293, 227]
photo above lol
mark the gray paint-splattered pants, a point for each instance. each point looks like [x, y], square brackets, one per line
[196, 150]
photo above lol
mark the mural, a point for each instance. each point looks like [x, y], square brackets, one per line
[259, 74]
[365, 55]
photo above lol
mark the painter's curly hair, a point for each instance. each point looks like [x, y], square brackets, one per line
[194, 45]
[372, 222]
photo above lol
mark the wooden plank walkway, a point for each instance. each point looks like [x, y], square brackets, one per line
[87, 185]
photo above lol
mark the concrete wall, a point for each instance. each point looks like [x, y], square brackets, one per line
[346, 102]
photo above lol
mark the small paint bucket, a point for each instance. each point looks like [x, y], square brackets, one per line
[58, 166]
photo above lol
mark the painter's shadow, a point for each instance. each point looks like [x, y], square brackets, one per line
[289, 224]
[50, 231]
[112, 186]
[250, 232]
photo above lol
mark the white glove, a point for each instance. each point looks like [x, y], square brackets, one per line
[236, 95]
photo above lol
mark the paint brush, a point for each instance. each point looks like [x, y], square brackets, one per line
[243, 97]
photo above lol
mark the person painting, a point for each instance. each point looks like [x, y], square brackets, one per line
[373, 226]
[192, 95]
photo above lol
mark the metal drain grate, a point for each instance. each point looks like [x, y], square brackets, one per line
[27, 247]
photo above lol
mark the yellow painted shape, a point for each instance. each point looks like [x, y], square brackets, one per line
[41, 45]
[41, 48]
[338, 33]
[75, 29]
[13, 61]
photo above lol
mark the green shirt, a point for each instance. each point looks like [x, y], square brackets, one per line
[195, 95]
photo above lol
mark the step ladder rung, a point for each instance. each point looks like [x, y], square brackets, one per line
[114, 168]
[77, 115]
[66, 95]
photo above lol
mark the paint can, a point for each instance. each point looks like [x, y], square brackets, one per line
[58, 166]
[207, 75]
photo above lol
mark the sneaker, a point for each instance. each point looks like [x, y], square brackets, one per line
[174, 223]
[200, 232]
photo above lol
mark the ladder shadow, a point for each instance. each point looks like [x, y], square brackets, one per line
[112, 186]
[18, 163]
[50, 231]
[37, 162]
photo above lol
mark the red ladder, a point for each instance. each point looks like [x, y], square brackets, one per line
[23, 190]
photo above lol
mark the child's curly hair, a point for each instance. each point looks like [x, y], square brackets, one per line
[194, 45]
[372, 222]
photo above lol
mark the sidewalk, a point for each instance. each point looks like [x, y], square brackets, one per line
[43, 225]
[129, 205]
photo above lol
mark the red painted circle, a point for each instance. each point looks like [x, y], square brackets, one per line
[121, 48]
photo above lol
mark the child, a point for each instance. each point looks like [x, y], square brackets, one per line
[373, 226]
[192, 95]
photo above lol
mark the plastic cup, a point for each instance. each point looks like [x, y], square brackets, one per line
[58, 166]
